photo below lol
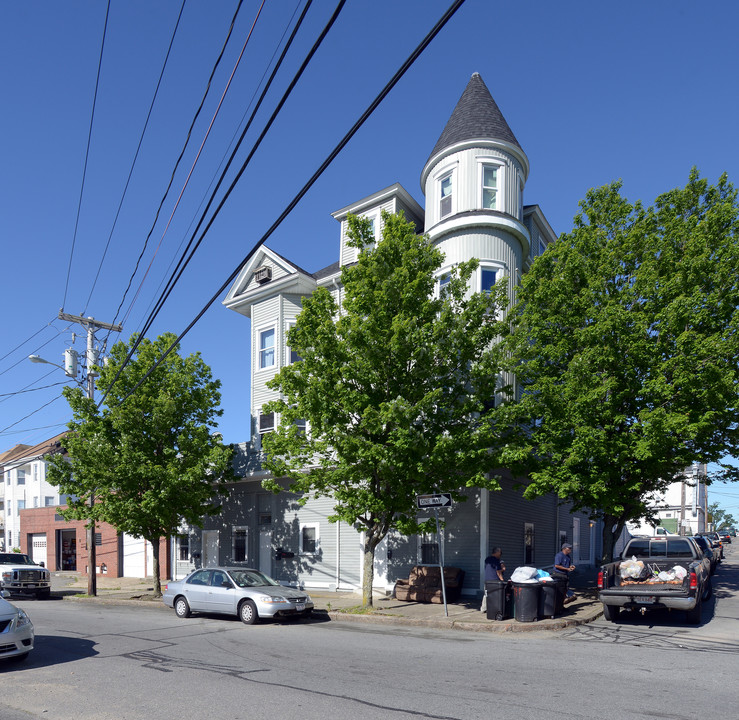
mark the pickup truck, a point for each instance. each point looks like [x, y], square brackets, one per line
[654, 580]
[19, 575]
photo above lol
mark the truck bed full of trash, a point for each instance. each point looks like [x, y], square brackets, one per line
[637, 572]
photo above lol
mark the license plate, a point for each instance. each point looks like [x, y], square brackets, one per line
[30, 585]
[299, 606]
[648, 600]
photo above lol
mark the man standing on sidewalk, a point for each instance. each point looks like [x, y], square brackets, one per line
[563, 567]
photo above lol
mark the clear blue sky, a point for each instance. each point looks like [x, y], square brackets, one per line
[593, 91]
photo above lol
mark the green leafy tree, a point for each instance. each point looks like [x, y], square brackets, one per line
[625, 343]
[396, 385]
[152, 461]
[719, 517]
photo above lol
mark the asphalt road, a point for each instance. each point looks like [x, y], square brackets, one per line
[122, 662]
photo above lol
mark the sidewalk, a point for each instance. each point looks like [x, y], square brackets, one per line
[346, 606]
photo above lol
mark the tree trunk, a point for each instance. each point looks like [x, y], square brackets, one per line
[612, 528]
[368, 569]
[155, 568]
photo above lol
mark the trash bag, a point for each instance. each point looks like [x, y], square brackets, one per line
[632, 569]
[543, 575]
[524, 575]
[680, 572]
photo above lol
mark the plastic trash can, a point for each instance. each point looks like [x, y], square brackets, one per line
[499, 599]
[526, 601]
[552, 597]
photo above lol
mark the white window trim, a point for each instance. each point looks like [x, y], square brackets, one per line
[497, 268]
[234, 530]
[258, 342]
[259, 418]
[447, 271]
[317, 528]
[500, 166]
[450, 169]
[288, 350]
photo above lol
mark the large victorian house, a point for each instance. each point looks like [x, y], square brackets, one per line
[473, 183]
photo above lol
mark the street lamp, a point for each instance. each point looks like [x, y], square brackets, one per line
[70, 370]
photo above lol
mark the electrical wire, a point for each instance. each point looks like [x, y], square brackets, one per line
[135, 157]
[173, 279]
[30, 414]
[220, 170]
[87, 154]
[33, 352]
[329, 159]
[183, 263]
[197, 156]
[179, 159]
[28, 339]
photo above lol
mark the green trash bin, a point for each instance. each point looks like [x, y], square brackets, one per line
[526, 601]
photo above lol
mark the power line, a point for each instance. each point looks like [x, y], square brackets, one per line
[197, 156]
[28, 339]
[136, 154]
[30, 414]
[179, 159]
[87, 154]
[340, 146]
[33, 352]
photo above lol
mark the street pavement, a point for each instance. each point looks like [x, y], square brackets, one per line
[346, 606]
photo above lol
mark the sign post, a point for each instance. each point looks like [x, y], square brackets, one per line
[437, 500]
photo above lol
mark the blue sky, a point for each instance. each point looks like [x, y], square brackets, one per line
[593, 91]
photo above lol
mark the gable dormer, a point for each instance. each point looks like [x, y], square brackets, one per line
[266, 275]
[393, 199]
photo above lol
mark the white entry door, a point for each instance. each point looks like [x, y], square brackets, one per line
[38, 548]
[210, 548]
[265, 551]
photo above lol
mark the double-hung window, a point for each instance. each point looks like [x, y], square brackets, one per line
[21, 477]
[487, 279]
[309, 539]
[444, 280]
[266, 348]
[239, 544]
[446, 191]
[489, 187]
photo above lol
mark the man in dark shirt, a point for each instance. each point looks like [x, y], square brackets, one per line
[563, 567]
[494, 568]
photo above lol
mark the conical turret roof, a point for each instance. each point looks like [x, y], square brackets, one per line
[476, 117]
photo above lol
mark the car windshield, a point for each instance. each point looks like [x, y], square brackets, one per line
[251, 578]
[15, 559]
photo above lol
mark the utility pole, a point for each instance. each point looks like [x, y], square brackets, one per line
[91, 325]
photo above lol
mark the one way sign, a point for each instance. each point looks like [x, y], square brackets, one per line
[438, 500]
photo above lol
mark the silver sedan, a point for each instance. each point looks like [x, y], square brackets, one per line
[16, 631]
[244, 592]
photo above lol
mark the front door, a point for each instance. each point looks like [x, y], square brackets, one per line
[210, 548]
[38, 548]
[265, 551]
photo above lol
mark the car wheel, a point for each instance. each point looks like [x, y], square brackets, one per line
[694, 616]
[248, 612]
[611, 612]
[44, 594]
[305, 615]
[707, 590]
[181, 608]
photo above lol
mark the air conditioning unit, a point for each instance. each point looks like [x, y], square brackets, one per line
[263, 274]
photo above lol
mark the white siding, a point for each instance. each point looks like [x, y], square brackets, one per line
[349, 254]
[277, 272]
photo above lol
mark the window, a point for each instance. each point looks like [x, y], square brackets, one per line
[35, 501]
[238, 539]
[21, 505]
[429, 550]
[489, 187]
[444, 280]
[183, 547]
[201, 577]
[266, 348]
[293, 356]
[445, 195]
[309, 540]
[266, 422]
[48, 500]
[528, 543]
[21, 477]
[301, 425]
[10, 502]
[487, 279]
[98, 539]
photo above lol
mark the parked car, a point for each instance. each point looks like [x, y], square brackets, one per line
[247, 593]
[21, 575]
[707, 546]
[16, 630]
[717, 544]
[725, 536]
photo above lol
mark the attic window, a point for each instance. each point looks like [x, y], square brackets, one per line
[263, 274]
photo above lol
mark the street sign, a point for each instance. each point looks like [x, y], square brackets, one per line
[437, 500]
